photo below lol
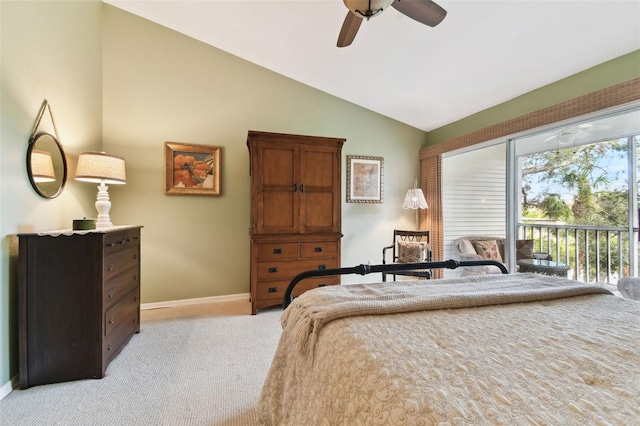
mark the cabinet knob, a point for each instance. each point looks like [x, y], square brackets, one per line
[110, 268]
[135, 277]
[109, 346]
[135, 256]
[110, 294]
[112, 320]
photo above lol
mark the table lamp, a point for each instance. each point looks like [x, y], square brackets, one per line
[101, 168]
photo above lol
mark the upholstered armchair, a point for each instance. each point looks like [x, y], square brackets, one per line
[487, 247]
[464, 248]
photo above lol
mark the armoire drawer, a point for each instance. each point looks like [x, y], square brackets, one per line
[278, 251]
[319, 249]
[276, 289]
[287, 269]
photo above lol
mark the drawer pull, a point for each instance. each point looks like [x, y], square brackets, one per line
[273, 269]
[110, 268]
[277, 251]
[110, 294]
[273, 289]
[322, 267]
[112, 320]
[110, 244]
[318, 249]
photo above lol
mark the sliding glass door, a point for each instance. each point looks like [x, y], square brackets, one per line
[572, 189]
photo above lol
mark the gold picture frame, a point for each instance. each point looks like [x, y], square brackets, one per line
[191, 169]
[365, 179]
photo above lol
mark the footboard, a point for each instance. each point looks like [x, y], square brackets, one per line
[389, 268]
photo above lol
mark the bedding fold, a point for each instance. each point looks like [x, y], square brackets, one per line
[310, 312]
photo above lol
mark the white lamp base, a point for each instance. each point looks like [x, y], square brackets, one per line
[103, 205]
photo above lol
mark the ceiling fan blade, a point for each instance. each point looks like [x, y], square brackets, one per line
[349, 29]
[424, 11]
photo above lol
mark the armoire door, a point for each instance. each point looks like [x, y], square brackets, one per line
[320, 195]
[277, 209]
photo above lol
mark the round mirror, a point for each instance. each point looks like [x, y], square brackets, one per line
[46, 165]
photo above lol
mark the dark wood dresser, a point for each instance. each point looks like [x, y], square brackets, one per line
[79, 302]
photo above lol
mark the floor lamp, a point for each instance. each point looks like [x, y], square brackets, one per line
[415, 200]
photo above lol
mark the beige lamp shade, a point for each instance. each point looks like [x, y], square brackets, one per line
[414, 199]
[99, 167]
[42, 166]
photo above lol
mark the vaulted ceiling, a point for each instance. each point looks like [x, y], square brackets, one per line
[485, 52]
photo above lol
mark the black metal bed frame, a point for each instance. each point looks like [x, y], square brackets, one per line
[397, 267]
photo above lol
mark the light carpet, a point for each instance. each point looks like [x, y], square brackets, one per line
[191, 365]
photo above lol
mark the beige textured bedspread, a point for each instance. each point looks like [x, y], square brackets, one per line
[529, 350]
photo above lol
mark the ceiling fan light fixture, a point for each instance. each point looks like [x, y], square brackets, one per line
[566, 137]
[367, 8]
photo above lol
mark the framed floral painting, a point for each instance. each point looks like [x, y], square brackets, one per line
[365, 179]
[191, 169]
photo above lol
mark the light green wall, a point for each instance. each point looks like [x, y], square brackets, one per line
[48, 50]
[162, 86]
[616, 71]
[137, 85]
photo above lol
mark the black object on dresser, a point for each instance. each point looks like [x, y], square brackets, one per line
[79, 302]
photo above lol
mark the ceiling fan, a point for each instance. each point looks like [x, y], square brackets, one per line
[423, 11]
[568, 135]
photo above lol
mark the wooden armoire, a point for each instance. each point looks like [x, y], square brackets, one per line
[295, 212]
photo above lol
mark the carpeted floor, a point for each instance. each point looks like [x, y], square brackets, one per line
[192, 365]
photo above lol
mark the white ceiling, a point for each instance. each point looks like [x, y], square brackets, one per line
[485, 52]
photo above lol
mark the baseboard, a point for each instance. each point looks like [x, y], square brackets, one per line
[195, 301]
[8, 387]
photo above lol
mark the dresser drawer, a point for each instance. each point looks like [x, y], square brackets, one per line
[285, 270]
[120, 261]
[120, 285]
[121, 321]
[318, 249]
[120, 240]
[276, 289]
[284, 251]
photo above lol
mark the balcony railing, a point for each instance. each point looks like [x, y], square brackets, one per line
[594, 254]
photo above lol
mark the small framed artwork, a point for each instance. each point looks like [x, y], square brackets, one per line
[191, 169]
[365, 179]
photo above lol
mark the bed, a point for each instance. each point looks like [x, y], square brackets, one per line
[491, 349]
